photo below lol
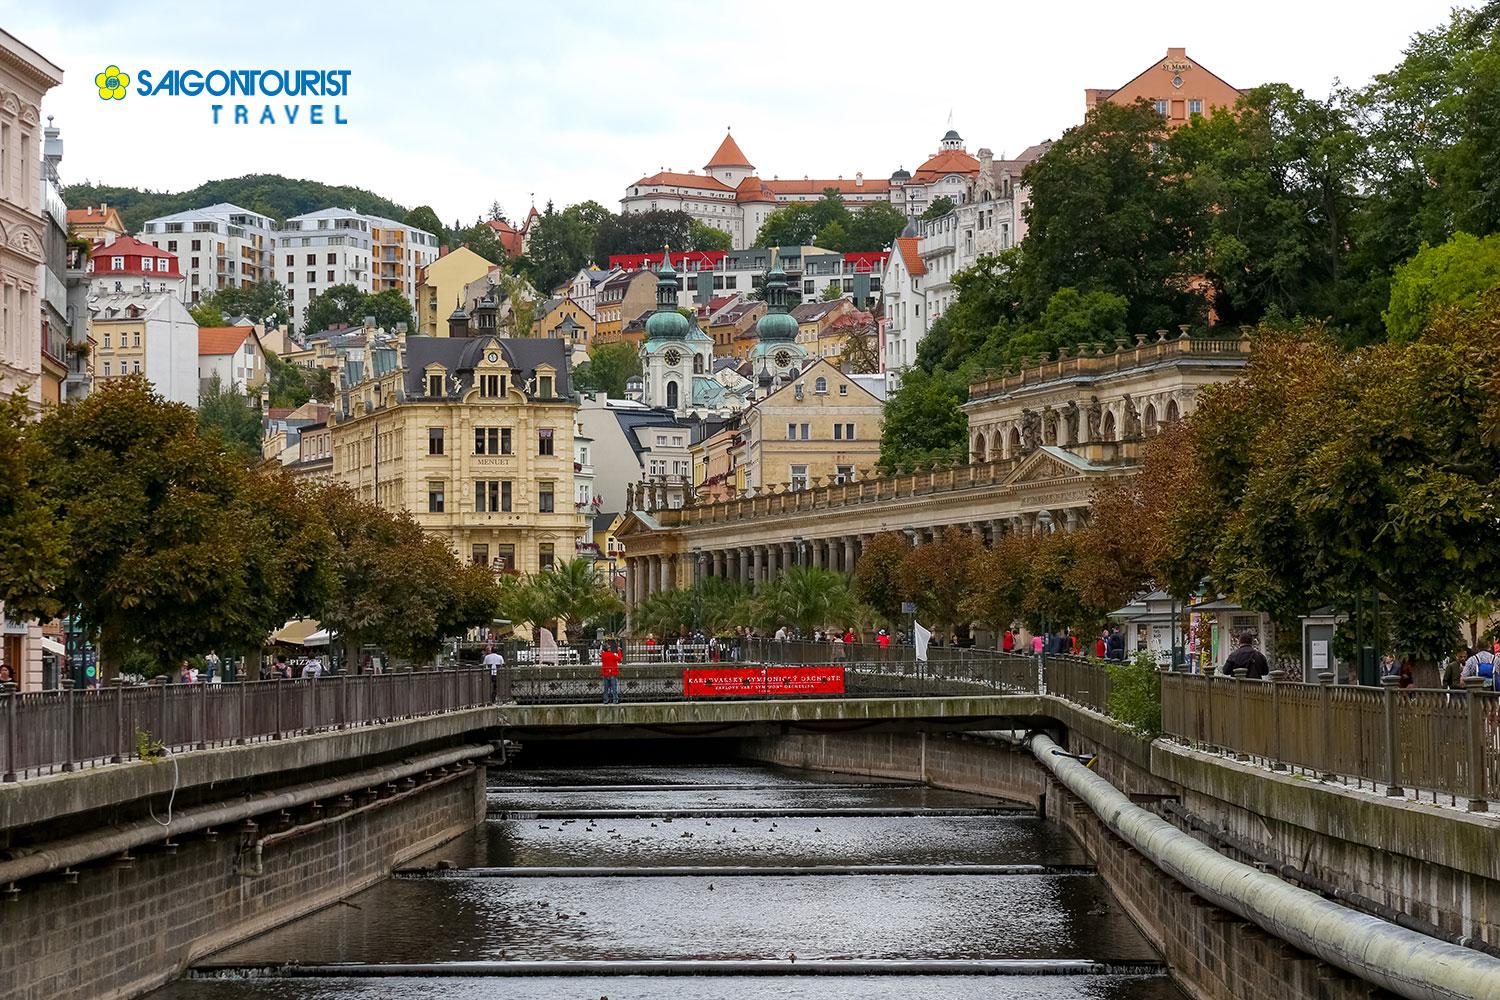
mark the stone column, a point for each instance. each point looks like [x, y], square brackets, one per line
[789, 556]
[1071, 520]
[720, 559]
[755, 565]
[849, 544]
[629, 584]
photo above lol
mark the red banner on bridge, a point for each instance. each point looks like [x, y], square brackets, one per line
[762, 681]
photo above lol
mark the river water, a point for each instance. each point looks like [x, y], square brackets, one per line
[685, 864]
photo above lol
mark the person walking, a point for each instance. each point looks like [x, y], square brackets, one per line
[1246, 656]
[1008, 640]
[494, 662]
[1480, 664]
[609, 670]
[1038, 645]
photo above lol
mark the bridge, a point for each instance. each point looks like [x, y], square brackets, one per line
[229, 800]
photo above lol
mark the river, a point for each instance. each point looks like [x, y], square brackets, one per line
[582, 868]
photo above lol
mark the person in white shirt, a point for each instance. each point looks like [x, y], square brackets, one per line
[494, 661]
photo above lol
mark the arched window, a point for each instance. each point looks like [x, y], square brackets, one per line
[1150, 419]
[1109, 426]
[820, 386]
[1015, 441]
[1172, 414]
[978, 447]
[671, 395]
[997, 445]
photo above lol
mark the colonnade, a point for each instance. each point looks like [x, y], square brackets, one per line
[754, 563]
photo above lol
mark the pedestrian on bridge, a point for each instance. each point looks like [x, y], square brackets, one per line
[1246, 656]
[495, 662]
[609, 670]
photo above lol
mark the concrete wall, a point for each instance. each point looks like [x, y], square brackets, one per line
[121, 929]
[1212, 953]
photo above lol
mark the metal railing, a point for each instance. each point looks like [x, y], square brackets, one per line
[42, 732]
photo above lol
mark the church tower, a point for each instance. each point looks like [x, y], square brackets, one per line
[776, 354]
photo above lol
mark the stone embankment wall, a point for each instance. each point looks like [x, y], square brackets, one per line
[1212, 953]
[117, 929]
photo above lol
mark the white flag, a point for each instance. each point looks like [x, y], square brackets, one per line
[921, 635]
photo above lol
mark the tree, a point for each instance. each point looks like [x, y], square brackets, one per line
[390, 308]
[832, 293]
[33, 538]
[562, 242]
[1452, 274]
[608, 369]
[874, 227]
[790, 225]
[997, 581]
[263, 302]
[642, 232]
[931, 575]
[877, 574]
[483, 240]
[424, 218]
[702, 236]
[575, 592]
[856, 334]
[205, 313]
[809, 598]
[227, 416]
[496, 213]
[336, 304]
[923, 421]
[941, 206]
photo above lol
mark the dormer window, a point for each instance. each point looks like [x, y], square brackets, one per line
[435, 384]
[117, 263]
[491, 386]
[544, 386]
[146, 263]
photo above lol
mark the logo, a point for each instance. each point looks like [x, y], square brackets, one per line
[112, 84]
[1176, 65]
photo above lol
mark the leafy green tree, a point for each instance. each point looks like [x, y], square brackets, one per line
[790, 225]
[874, 227]
[642, 232]
[1452, 274]
[832, 293]
[941, 206]
[484, 241]
[877, 574]
[574, 592]
[924, 422]
[997, 580]
[264, 302]
[809, 598]
[423, 217]
[562, 242]
[227, 416]
[607, 370]
[337, 304]
[832, 236]
[205, 313]
[702, 236]
[389, 307]
[932, 576]
[33, 539]
[664, 613]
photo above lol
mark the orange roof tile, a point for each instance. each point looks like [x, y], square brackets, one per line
[729, 154]
[677, 179]
[213, 340]
[752, 188]
[846, 185]
[913, 260]
[949, 161]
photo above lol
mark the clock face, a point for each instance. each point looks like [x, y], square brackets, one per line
[783, 359]
[673, 358]
[493, 357]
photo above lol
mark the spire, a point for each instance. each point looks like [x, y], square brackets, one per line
[728, 154]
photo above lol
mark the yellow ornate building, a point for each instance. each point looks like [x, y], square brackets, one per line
[820, 427]
[442, 287]
[473, 436]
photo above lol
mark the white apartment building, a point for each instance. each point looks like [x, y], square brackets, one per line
[339, 246]
[221, 246]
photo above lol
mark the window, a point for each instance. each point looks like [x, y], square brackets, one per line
[434, 440]
[291, 259]
[479, 554]
[544, 386]
[844, 389]
[106, 340]
[135, 340]
[505, 557]
[106, 369]
[171, 245]
[486, 496]
[804, 432]
[435, 497]
[671, 395]
[791, 432]
[491, 386]
[197, 245]
[148, 263]
[435, 384]
[544, 498]
[135, 367]
[677, 440]
[505, 441]
[658, 465]
[820, 386]
[544, 441]
[1161, 108]
[486, 440]
[661, 440]
[838, 432]
[848, 432]
[545, 556]
[312, 259]
[117, 263]
[312, 277]
[843, 474]
[505, 496]
[1195, 107]
[333, 258]
[799, 477]
[330, 277]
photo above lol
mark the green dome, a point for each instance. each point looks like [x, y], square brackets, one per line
[776, 326]
[671, 325]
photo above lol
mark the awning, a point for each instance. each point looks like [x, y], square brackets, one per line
[296, 632]
[53, 646]
[318, 638]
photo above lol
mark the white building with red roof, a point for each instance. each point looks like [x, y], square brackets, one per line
[126, 264]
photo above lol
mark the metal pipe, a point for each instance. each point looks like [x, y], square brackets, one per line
[1408, 964]
[80, 850]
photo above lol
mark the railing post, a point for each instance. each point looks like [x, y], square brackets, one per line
[244, 696]
[1241, 675]
[1478, 801]
[1325, 705]
[1277, 678]
[1388, 684]
[120, 743]
[12, 696]
[69, 706]
[201, 715]
[161, 712]
[278, 683]
[345, 719]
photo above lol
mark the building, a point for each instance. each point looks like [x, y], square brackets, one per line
[584, 288]
[1035, 487]
[62, 292]
[820, 427]
[1176, 86]
[731, 326]
[730, 196]
[153, 335]
[815, 321]
[95, 224]
[514, 241]
[568, 321]
[441, 286]
[622, 297]
[25, 76]
[234, 356]
[903, 321]
[311, 457]
[128, 265]
[718, 450]
[633, 445]
[473, 436]
[220, 246]
[339, 246]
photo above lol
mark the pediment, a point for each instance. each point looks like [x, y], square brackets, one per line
[1041, 467]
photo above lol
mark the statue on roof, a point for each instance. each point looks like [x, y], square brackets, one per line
[1095, 417]
[1070, 420]
[1049, 425]
[1132, 420]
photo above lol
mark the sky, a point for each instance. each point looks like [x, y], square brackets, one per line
[457, 105]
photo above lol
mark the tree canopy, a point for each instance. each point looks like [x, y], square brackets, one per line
[832, 225]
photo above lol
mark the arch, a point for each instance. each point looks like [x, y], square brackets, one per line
[672, 392]
[997, 445]
[1107, 432]
[1148, 420]
[1173, 414]
[820, 385]
[978, 447]
[1015, 442]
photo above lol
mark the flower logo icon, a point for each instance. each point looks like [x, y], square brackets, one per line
[112, 84]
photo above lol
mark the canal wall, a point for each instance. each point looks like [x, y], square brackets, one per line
[1212, 953]
[117, 929]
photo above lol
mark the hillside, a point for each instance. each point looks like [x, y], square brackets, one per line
[270, 194]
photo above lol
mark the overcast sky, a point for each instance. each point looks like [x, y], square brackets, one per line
[458, 104]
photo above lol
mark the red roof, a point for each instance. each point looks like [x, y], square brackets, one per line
[949, 161]
[675, 179]
[865, 261]
[845, 185]
[703, 260]
[213, 340]
[752, 188]
[132, 250]
[510, 237]
[728, 155]
[907, 245]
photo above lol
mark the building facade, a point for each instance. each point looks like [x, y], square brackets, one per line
[441, 287]
[234, 356]
[128, 265]
[474, 437]
[95, 222]
[339, 246]
[821, 427]
[220, 246]
[151, 335]
[1176, 86]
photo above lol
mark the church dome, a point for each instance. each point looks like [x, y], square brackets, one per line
[777, 325]
[666, 323]
[901, 175]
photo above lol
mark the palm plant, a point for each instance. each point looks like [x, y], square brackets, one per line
[809, 598]
[574, 593]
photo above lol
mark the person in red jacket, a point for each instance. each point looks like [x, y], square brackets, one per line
[609, 669]
[1008, 641]
[1101, 646]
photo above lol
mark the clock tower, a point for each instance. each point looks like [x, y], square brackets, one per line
[675, 351]
[776, 355]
